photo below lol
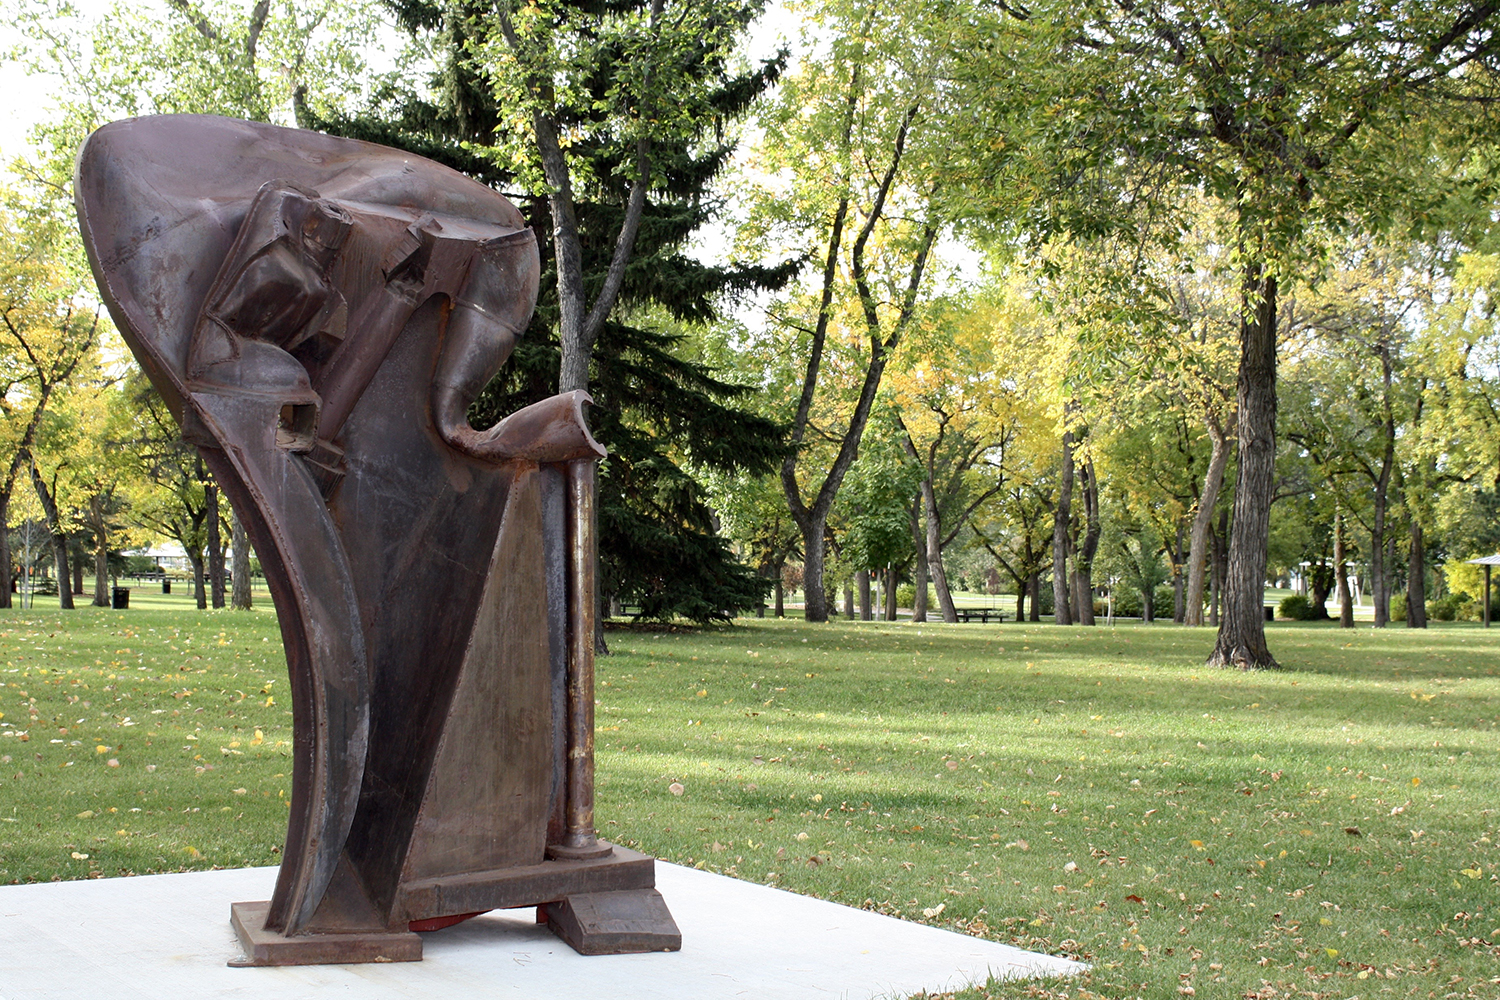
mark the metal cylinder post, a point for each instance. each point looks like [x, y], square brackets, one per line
[580, 840]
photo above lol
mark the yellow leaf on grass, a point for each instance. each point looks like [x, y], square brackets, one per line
[1332, 952]
[1472, 872]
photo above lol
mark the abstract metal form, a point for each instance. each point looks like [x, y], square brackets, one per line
[319, 313]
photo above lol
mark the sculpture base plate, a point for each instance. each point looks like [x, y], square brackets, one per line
[615, 923]
[263, 947]
[562, 852]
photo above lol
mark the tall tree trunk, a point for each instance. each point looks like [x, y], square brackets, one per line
[890, 593]
[1020, 603]
[1035, 589]
[1241, 641]
[239, 547]
[1062, 516]
[778, 591]
[58, 537]
[1179, 581]
[7, 579]
[862, 584]
[849, 599]
[200, 597]
[101, 551]
[1340, 566]
[1083, 561]
[1378, 584]
[935, 565]
[919, 569]
[215, 544]
[1381, 555]
[1199, 543]
[77, 572]
[1219, 561]
[1416, 576]
[814, 601]
[101, 573]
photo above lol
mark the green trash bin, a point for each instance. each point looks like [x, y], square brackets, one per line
[120, 598]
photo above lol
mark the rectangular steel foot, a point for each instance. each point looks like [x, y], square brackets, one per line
[615, 923]
[263, 947]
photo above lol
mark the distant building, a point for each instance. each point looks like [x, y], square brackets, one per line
[167, 555]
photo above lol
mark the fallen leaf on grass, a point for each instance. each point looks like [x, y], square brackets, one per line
[1353, 831]
[1133, 898]
[676, 788]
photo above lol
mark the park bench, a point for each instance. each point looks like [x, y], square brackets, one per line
[980, 615]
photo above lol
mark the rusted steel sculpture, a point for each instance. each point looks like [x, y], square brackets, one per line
[319, 313]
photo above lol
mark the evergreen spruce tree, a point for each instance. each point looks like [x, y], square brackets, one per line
[655, 411]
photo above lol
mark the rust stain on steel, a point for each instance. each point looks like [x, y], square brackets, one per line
[319, 313]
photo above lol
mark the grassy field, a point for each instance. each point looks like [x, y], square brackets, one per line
[1327, 830]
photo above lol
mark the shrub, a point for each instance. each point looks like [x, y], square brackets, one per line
[1295, 608]
[1127, 602]
[906, 597]
[1445, 608]
[1398, 608]
[1164, 599]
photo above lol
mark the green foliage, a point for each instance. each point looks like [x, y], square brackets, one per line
[659, 413]
[1446, 608]
[1296, 608]
[875, 505]
[1128, 603]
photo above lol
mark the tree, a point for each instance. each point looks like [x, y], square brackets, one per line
[48, 332]
[965, 386]
[173, 499]
[856, 141]
[1295, 116]
[659, 411]
[876, 509]
[266, 60]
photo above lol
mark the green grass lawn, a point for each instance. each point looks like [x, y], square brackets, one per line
[1327, 830]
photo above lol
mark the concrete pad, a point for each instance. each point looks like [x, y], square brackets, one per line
[159, 936]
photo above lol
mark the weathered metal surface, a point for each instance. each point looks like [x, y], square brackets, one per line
[615, 923]
[319, 313]
[267, 947]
